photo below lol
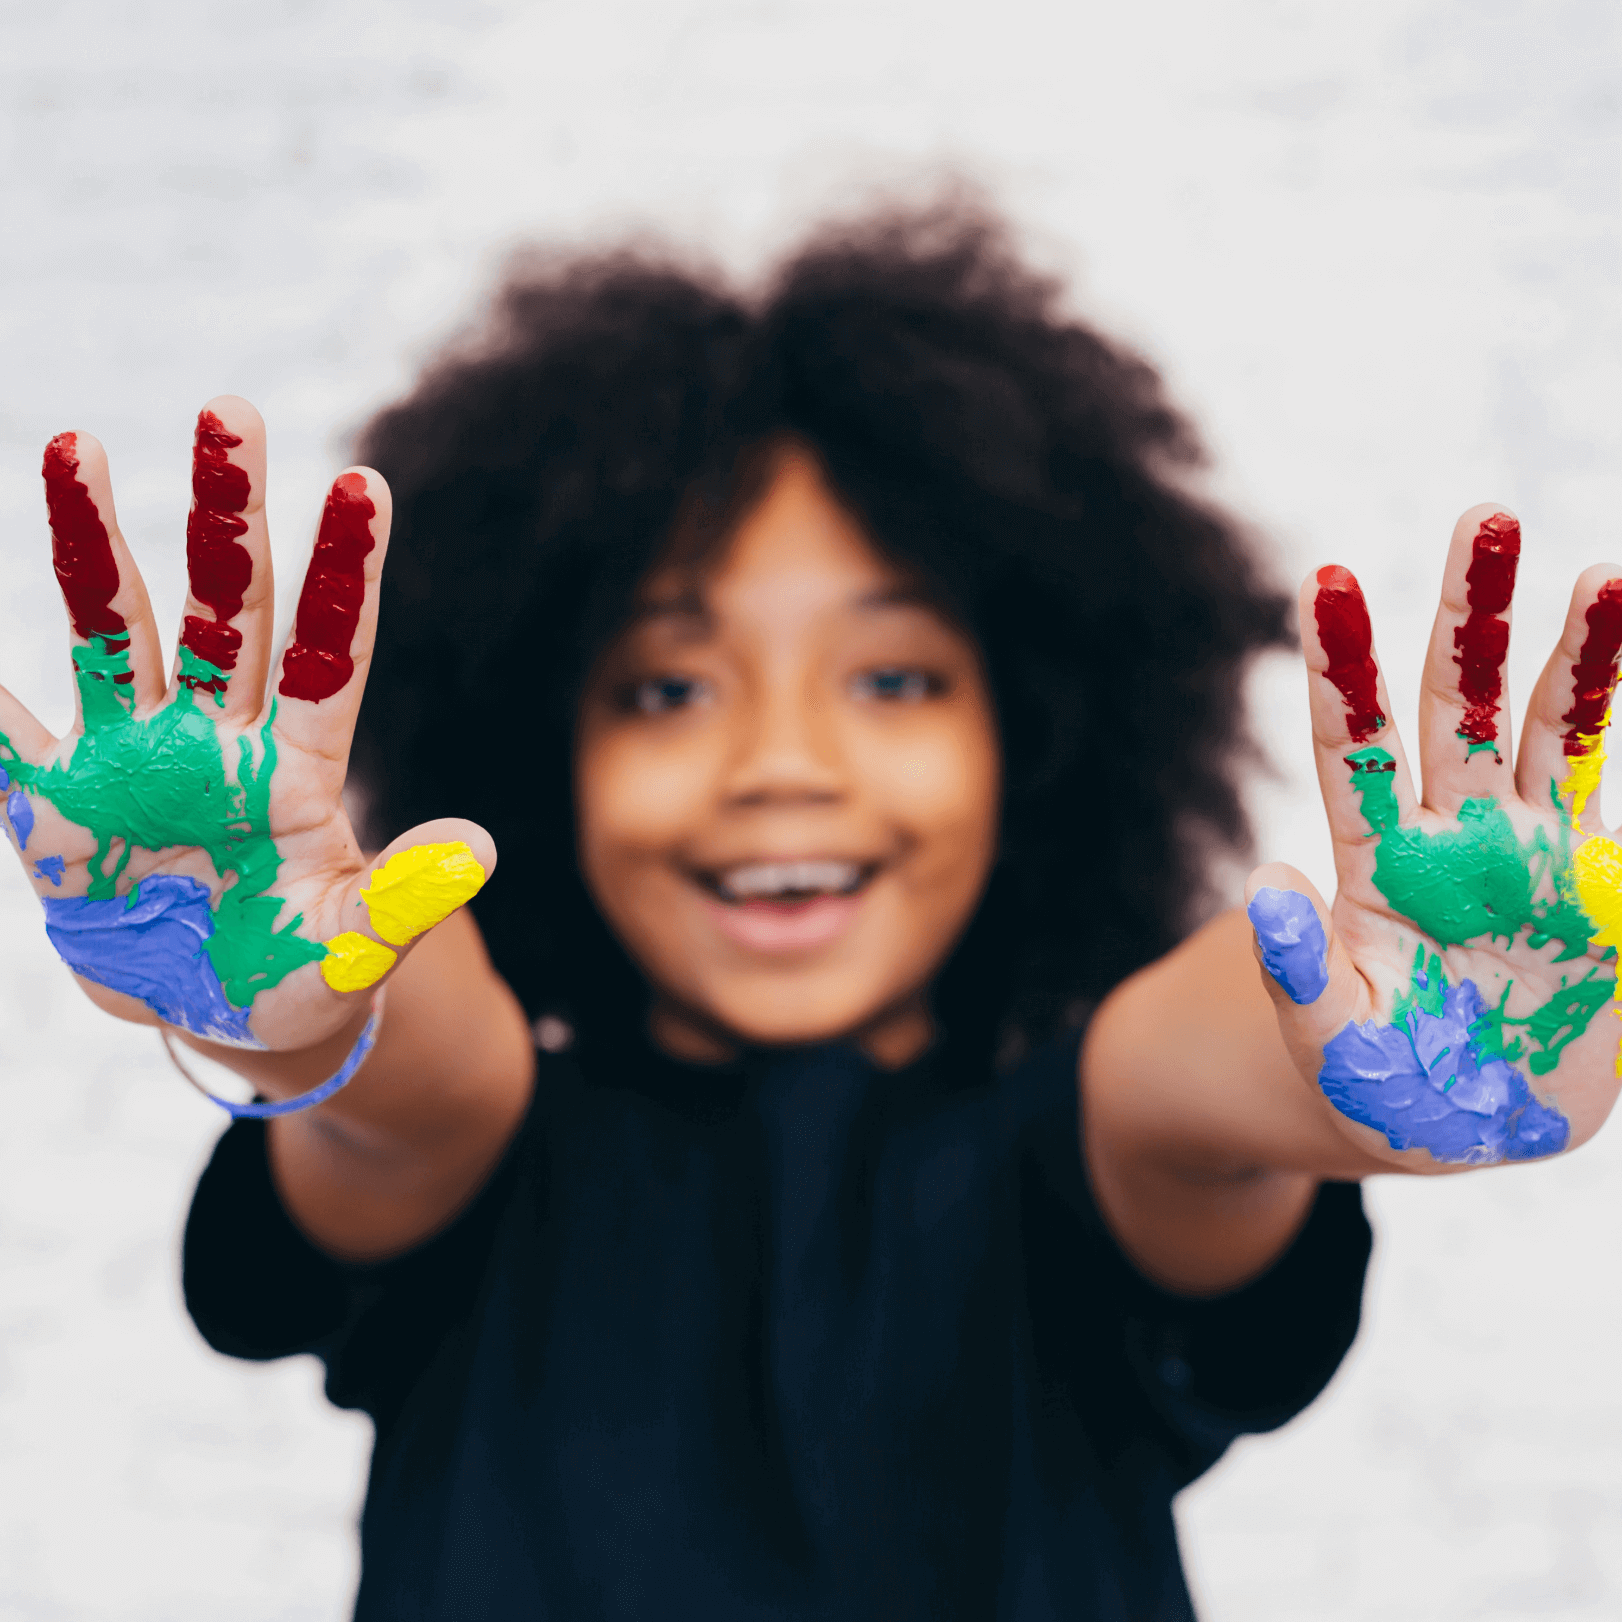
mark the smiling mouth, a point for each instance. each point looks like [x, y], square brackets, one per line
[786, 884]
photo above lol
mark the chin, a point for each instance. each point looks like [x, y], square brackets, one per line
[785, 1016]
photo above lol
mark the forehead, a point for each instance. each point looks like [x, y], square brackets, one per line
[797, 551]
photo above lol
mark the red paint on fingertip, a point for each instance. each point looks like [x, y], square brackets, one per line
[1483, 640]
[1343, 629]
[318, 664]
[1594, 675]
[81, 551]
[219, 568]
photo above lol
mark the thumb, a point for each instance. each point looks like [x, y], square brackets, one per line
[417, 882]
[1315, 985]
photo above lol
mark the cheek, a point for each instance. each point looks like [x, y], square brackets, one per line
[942, 785]
[636, 799]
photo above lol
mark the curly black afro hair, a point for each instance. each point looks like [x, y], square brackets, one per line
[1030, 472]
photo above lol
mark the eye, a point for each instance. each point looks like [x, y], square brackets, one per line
[898, 684]
[660, 694]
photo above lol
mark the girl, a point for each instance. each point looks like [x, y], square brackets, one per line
[895, 1215]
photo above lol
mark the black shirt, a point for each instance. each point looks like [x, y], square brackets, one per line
[791, 1339]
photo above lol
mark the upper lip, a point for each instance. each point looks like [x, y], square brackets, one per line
[769, 876]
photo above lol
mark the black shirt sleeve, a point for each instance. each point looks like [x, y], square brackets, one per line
[1206, 1370]
[257, 1288]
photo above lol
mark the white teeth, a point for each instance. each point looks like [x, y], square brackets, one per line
[782, 878]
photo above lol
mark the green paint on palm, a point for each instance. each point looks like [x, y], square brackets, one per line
[162, 782]
[1480, 881]
[1477, 881]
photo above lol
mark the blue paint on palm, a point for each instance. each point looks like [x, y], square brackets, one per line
[50, 867]
[5, 780]
[149, 944]
[1292, 941]
[22, 817]
[1429, 1081]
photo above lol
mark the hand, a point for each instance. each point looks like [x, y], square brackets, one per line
[1455, 1004]
[188, 837]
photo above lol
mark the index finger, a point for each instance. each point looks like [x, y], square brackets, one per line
[322, 672]
[1362, 771]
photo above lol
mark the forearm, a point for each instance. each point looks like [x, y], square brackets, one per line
[1203, 1141]
[396, 1153]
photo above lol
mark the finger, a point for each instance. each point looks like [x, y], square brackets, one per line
[1314, 983]
[116, 653]
[323, 669]
[224, 644]
[1564, 746]
[417, 883]
[1361, 769]
[1464, 730]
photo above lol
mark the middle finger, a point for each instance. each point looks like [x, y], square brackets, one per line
[1464, 734]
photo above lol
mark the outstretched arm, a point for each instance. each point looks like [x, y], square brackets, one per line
[1450, 1010]
[189, 845]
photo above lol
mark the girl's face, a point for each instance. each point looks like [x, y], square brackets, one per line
[788, 781]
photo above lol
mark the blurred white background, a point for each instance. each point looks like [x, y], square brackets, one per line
[1375, 250]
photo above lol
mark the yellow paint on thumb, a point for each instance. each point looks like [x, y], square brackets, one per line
[413, 890]
[354, 962]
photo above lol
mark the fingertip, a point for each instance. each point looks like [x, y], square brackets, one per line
[1290, 924]
[1472, 518]
[238, 415]
[376, 489]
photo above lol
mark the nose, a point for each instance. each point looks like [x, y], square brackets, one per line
[787, 749]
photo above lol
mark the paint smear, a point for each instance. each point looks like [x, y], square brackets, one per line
[151, 944]
[1343, 629]
[1593, 679]
[21, 814]
[354, 962]
[1471, 882]
[219, 569]
[1428, 1081]
[416, 889]
[318, 664]
[1483, 640]
[82, 553]
[1291, 937]
[50, 867]
[1596, 876]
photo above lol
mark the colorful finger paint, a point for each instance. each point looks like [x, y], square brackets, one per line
[1433, 1080]
[81, 550]
[1442, 1075]
[1483, 640]
[152, 944]
[1593, 680]
[156, 783]
[50, 867]
[416, 889]
[354, 962]
[1596, 876]
[1348, 642]
[21, 816]
[318, 663]
[220, 569]
[1292, 942]
[1473, 882]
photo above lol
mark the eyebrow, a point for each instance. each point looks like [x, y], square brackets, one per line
[689, 605]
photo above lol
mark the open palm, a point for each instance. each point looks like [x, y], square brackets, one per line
[1458, 1002]
[188, 837]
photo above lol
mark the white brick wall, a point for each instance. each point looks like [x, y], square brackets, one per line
[1375, 248]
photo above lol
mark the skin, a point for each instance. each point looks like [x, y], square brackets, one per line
[793, 699]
